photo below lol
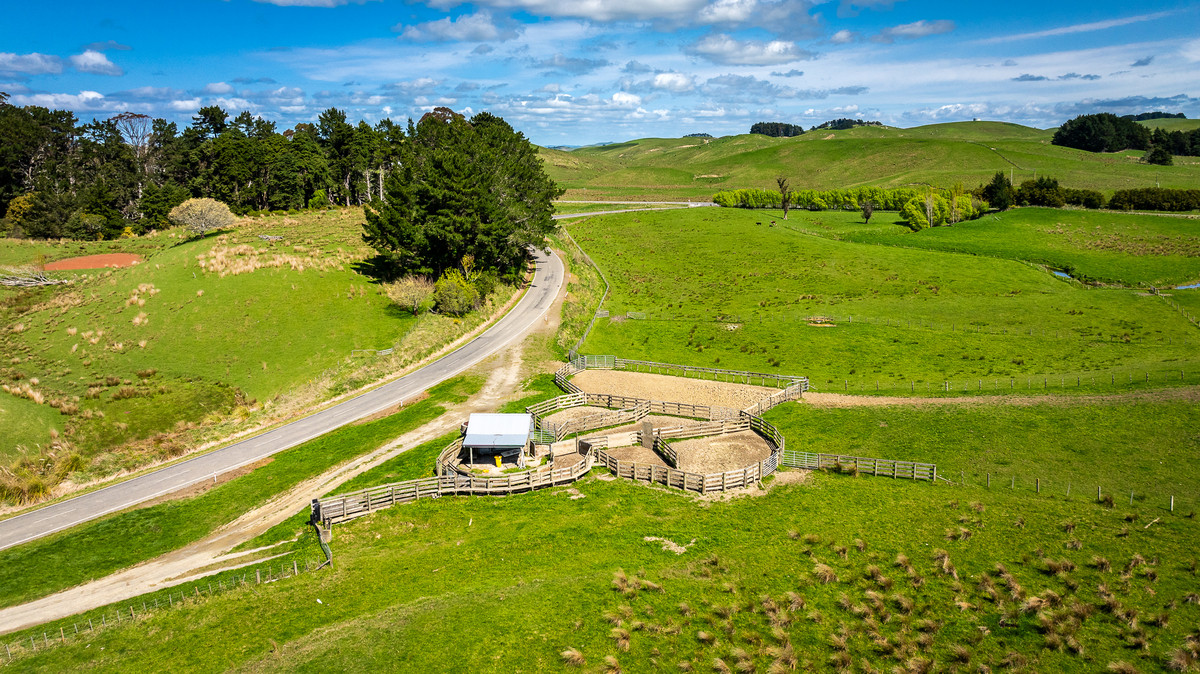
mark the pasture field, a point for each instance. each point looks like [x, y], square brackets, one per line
[100, 547]
[203, 337]
[906, 317]
[940, 154]
[917, 574]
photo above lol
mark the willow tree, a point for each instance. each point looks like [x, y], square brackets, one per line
[465, 188]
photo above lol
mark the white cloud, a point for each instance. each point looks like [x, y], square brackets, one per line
[185, 105]
[84, 101]
[96, 63]
[673, 82]
[721, 48]
[843, 36]
[30, 64]
[595, 10]
[218, 88]
[478, 27]
[626, 100]
[914, 30]
[1191, 51]
[1077, 28]
[234, 103]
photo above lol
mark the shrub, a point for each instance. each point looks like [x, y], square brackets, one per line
[1085, 198]
[1041, 192]
[1155, 199]
[454, 294]
[410, 292]
[319, 200]
[930, 210]
[202, 215]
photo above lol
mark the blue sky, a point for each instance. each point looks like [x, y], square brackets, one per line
[585, 71]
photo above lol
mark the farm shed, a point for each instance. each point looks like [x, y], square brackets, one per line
[504, 434]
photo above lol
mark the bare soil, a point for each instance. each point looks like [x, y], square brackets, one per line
[105, 261]
[720, 453]
[637, 454]
[673, 389]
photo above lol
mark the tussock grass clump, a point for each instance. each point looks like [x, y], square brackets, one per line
[573, 658]
[825, 573]
[612, 665]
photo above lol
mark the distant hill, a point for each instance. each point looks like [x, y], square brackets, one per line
[937, 154]
[1172, 124]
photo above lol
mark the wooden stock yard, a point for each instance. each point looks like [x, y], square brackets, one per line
[452, 480]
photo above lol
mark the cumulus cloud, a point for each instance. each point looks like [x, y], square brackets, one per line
[29, 64]
[625, 99]
[914, 30]
[421, 85]
[723, 49]
[772, 15]
[218, 89]
[84, 101]
[636, 68]
[478, 27]
[844, 36]
[185, 105]
[570, 64]
[674, 82]
[96, 63]
[148, 94]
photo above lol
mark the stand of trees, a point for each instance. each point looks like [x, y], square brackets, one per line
[843, 123]
[468, 193]
[1105, 132]
[1145, 116]
[124, 174]
[777, 129]
[881, 198]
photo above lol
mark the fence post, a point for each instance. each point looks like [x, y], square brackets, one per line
[989, 480]
[1097, 493]
[1172, 503]
[1130, 497]
[1039, 484]
[1068, 489]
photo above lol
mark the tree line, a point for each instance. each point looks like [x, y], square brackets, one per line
[785, 130]
[1045, 191]
[123, 175]
[1106, 132]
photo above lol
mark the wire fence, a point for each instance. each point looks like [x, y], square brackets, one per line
[85, 625]
[1181, 502]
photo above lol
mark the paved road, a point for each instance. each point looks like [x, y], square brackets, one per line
[547, 281]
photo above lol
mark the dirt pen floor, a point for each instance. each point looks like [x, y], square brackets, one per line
[673, 389]
[720, 453]
[106, 261]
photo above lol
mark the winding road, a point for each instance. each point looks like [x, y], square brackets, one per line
[547, 280]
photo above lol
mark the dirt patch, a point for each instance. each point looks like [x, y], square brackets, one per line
[674, 389]
[720, 453]
[105, 261]
[782, 477]
[637, 454]
[669, 545]
[563, 416]
[792, 477]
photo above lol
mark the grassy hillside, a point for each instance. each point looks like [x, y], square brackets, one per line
[1172, 124]
[263, 319]
[939, 154]
[509, 584]
[908, 314]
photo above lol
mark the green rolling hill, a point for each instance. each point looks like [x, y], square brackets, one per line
[937, 154]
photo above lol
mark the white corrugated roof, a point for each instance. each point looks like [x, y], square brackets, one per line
[498, 430]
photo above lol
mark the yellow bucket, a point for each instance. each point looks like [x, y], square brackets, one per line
[497, 460]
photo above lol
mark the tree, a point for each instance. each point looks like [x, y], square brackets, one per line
[202, 215]
[999, 193]
[1159, 155]
[464, 188]
[868, 209]
[929, 210]
[410, 292]
[785, 194]
[1043, 191]
[1103, 132]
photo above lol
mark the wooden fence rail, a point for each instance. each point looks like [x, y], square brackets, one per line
[688, 481]
[343, 507]
[864, 465]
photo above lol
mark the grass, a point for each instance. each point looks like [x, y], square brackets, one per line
[26, 424]
[206, 336]
[1115, 444]
[100, 547]
[939, 154]
[905, 317]
[743, 591]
